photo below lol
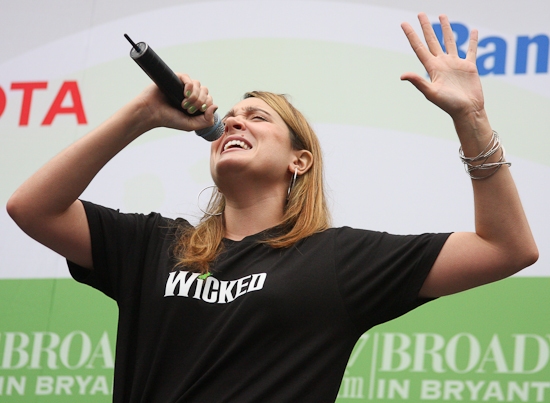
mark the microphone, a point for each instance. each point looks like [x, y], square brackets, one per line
[169, 84]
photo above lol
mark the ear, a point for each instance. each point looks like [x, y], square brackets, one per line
[302, 160]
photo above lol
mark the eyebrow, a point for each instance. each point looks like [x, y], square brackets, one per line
[248, 109]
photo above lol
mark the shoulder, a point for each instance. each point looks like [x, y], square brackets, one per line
[348, 242]
[340, 240]
[345, 235]
[106, 212]
[350, 233]
[113, 226]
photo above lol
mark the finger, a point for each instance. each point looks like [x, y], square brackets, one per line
[429, 35]
[187, 83]
[448, 36]
[206, 103]
[188, 88]
[203, 120]
[416, 43]
[421, 84]
[192, 92]
[209, 113]
[472, 46]
[195, 122]
[196, 96]
[198, 102]
[203, 95]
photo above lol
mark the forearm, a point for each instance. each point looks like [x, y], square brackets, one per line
[502, 243]
[56, 186]
[46, 206]
[499, 216]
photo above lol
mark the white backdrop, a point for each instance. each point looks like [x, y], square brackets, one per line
[391, 156]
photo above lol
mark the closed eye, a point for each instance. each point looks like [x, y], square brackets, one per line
[259, 117]
[250, 113]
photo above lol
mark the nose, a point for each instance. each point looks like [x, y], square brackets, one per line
[234, 123]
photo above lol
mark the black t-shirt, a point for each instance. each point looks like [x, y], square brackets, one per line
[270, 325]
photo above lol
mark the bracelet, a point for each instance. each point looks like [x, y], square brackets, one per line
[493, 147]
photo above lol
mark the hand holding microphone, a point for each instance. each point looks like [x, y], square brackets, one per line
[169, 84]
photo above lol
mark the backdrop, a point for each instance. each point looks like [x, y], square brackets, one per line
[391, 164]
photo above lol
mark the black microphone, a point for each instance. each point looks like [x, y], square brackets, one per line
[169, 84]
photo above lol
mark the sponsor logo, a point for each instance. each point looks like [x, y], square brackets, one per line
[463, 367]
[77, 364]
[67, 101]
[497, 56]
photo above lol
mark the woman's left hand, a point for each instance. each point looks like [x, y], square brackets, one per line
[454, 84]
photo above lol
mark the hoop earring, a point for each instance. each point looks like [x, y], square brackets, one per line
[292, 183]
[199, 204]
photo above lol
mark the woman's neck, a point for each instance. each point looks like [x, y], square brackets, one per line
[252, 213]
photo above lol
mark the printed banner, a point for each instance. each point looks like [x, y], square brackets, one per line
[391, 164]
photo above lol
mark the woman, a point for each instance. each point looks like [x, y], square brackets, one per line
[263, 301]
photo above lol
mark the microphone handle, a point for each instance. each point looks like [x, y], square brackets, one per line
[170, 84]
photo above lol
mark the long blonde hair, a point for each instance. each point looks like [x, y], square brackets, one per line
[305, 213]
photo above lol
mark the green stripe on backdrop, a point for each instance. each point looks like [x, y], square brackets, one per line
[57, 342]
[488, 344]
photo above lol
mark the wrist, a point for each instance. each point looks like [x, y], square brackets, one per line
[138, 117]
[471, 120]
[473, 130]
[487, 162]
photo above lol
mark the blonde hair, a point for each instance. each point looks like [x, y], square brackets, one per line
[305, 213]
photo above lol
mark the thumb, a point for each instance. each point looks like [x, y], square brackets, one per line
[209, 114]
[420, 83]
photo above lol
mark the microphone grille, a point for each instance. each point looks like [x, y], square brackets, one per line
[213, 132]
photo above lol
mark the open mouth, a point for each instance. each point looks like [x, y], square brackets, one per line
[236, 144]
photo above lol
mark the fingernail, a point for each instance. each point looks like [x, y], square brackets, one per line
[186, 105]
[192, 109]
[188, 93]
[203, 107]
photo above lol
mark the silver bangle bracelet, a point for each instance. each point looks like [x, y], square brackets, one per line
[493, 146]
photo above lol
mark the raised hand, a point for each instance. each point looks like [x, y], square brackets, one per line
[158, 112]
[454, 84]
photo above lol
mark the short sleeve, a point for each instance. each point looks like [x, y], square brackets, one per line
[380, 275]
[122, 246]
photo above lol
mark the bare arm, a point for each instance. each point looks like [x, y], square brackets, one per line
[502, 243]
[46, 206]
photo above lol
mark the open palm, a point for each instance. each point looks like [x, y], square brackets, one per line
[454, 84]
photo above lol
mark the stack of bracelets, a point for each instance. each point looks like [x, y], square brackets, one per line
[471, 164]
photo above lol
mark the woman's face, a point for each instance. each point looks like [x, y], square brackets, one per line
[255, 145]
